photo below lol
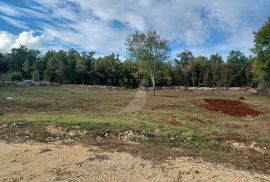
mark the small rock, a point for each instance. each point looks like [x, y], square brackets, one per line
[98, 138]
[253, 91]
[71, 133]
[9, 98]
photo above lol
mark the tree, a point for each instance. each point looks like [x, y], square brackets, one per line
[128, 76]
[183, 65]
[185, 56]
[261, 65]
[3, 63]
[150, 50]
[70, 68]
[79, 69]
[238, 63]
[216, 67]
[87, 60]
[17, 58]
[198, 66]
[29, 63]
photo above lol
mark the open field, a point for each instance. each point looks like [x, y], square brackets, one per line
[174, 123]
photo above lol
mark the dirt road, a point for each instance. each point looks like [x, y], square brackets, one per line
[57, 162]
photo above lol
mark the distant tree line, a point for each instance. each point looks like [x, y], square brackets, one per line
[73, 67]
[150, 61]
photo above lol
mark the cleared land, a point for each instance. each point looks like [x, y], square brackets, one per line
[56, 162]
[172, 124]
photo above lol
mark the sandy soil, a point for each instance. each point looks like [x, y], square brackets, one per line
[57, 162]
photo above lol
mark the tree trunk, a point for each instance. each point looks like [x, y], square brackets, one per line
[193, 79]
[82, 79]
[152, 75]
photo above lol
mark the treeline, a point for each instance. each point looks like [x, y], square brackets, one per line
[73, 67]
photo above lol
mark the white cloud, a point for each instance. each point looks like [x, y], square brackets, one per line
[6, 40]
[20, 12]
[242, 42]
[14, 22]
[89, 24]
[8, 10]
[9, 41]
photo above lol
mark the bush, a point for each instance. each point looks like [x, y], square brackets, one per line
[35, 76]
[4, 77]
[268, 92]
[16, 76]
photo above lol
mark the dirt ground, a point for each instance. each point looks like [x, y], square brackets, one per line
[231, 107]
[59, 162]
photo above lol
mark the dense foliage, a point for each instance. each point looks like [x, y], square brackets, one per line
[261, 65]
[73, 67]
[150, 50]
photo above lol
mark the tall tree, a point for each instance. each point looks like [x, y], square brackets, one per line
[238, 63]
[216, 67]
[3, 63]
[17, 58]
[150, 50]
[185, 56]
[261, 65]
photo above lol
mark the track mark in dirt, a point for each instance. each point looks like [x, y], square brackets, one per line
[98, 158]
[45, 150]
[170, 96]
[165, 106]
[235, 138]
[170, 121]
[231, 107]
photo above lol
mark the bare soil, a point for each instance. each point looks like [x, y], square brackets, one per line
[59, 162]
[231, 107]
[170, 121]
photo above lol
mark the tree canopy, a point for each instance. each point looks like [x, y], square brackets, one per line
[150, 51]
[261, 64]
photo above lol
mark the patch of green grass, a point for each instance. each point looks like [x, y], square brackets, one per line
[180, 117]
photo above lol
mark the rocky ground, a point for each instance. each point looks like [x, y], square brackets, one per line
[61, 162]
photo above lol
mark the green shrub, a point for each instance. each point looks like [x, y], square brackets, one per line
[4, 77]
[35, 76]
[15, 76]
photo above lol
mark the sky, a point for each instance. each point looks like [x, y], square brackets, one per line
[203, 26]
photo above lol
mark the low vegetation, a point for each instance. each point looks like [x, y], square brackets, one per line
[177, 120]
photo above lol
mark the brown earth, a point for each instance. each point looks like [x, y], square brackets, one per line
[231, 107]
[58, 162]
[163, 107]
[169, 120]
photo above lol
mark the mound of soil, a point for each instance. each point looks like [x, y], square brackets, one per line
[231, 107]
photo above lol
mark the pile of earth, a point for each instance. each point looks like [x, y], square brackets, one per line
[231, 107]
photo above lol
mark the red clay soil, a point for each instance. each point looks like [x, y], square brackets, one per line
[231, 107]
[170, 121]
[174, 122]
[235, 138]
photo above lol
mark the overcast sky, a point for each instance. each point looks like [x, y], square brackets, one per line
[203, 26]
